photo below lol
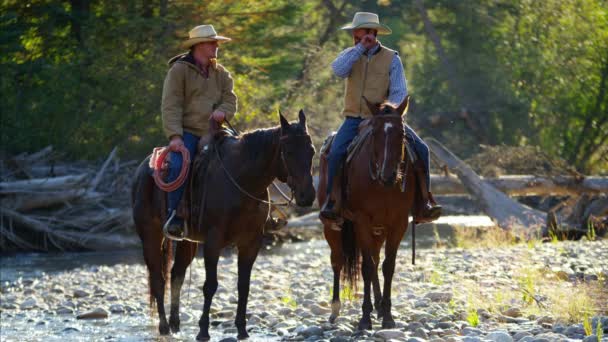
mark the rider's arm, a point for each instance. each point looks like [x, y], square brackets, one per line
[228, 103]
[172, 106]
[397, 90]
[343, 64]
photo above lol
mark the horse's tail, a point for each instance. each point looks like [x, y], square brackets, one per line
[351, 254]
[166, 254]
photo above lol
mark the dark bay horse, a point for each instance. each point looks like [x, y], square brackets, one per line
[375, 211]
[230, 216]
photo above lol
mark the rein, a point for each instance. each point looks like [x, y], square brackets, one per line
[245, 192]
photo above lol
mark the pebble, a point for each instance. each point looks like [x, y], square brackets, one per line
[98, 313]
[388, 334]
[499, 336]
[28, 304]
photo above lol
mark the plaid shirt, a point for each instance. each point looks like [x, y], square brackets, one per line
[397, 89]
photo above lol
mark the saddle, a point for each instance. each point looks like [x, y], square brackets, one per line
[199, 166]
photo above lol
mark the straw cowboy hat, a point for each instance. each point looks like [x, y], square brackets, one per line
[201, 34]
[367, 20]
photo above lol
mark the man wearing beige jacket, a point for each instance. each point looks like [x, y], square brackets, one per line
[196, 90]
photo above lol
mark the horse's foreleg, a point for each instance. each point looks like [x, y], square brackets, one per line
[336, 264]
[334, 239]
[247, 256]
[367, 268]
[376, 286]
[388, 269]
[211, 254]
[183, 257]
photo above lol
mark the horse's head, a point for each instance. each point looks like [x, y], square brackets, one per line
[387, 140]
[297, 151]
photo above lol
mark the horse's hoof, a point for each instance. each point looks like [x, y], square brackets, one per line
[242, 336]
[365, 325]
[163, 329]
[203, 337]
[388, 324]
[332, 318]
[174, 325]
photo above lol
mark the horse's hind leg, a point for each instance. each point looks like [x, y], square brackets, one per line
[183, 257]
[212, 255]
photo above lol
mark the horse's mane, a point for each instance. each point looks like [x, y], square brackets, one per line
[257, 142]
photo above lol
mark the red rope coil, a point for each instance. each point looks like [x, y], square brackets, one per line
[158, 162]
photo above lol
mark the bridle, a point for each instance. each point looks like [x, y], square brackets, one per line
[373, 163]
[284, 163]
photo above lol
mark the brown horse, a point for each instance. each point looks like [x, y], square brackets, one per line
[235, 182]
[375, 211]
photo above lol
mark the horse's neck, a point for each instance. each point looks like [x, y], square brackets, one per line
[260, 171]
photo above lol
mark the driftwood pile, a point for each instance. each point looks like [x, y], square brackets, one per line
[586, 212]
[46, 204]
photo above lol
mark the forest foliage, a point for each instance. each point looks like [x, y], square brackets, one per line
[86, 76]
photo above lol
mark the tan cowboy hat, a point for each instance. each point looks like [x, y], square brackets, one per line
[201, 34]
[367, 20]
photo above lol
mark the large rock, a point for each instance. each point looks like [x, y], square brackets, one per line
[98, 313]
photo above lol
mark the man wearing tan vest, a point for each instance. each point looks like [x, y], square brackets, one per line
[374, 71]
[196, 90]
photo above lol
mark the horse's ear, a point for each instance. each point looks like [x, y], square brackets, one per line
[373, 108]
[302, 117]
[284, 122]
[403, 107]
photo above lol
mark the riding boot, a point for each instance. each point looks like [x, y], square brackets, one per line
[330, 209]
[428, 210]
[174, 227]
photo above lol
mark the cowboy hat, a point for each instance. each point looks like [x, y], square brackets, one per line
[367, 20]
[201, 34]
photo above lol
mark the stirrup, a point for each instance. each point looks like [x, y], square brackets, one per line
[166, 229]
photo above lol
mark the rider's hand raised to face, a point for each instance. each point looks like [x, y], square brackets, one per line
[368, 41]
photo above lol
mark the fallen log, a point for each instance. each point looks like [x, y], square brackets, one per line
[42, 184]
[513, 185]
[504, 211]
[526, 185]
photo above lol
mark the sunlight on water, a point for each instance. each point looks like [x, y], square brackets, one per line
[466, 221]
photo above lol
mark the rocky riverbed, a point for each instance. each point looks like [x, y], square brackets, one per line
[524, 292]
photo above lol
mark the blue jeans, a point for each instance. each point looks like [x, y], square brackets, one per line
[175, 166]
[348, 131]
[422, 151]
